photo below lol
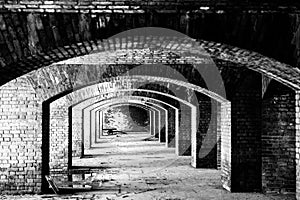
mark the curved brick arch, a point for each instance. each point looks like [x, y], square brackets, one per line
[84, 33]
[155, 120]
[175, 118]
[113, 104]
[60, 107]
[89, 102]
[77, 112]
[176, 46]
[117, 93]
[155, 126]
[35, 103]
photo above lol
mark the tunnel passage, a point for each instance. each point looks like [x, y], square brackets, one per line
[62, 160]
[136, 118]
[59, 105]
[245, 101]
[77, 111]
[150, 120]
[129, 117]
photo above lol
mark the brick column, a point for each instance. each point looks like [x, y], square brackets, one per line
[93, 126]
[164, 133]
[101, 121]
[246, 134]
[152, 122]
[297, 115]
[97, 125]
[59, 139]
[21, 142]
[76, 131]
[157, 123]
[86, 129]
[164, 126]
[183, 137]
[173, 116]
[205, 143]
[279, 139]
[226, 146]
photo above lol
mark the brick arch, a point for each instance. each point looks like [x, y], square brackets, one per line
[127, 99]
[272, 69]
[112, 104]
[176, 46]
[33, 108]
[78, 98]
[89, 102]
[59, 108]
[59, 152]
[155, 120]
[46, 42]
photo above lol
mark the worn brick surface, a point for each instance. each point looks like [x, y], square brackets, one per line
[278, 139]
[59, 136]
[78, 112]
[297, 120]
[20, 138]
[246, 134]
[31, 40]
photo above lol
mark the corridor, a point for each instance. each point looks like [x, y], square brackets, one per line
[147, 170]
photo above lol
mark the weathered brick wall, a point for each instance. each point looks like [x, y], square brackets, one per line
[163, 124]
[126, 118]
[53, 37]
[297, 129]
[172, 128]
[183, 138]
[59, 137]
[77, 124]
[278, 139]
[208, 138]
[77, 112]
[203, 126]
[226, 146]
[20, 138]
[152, 123]
[246, 134]
[47, 86]
[219, 132]
[122, 6]
[59, 119]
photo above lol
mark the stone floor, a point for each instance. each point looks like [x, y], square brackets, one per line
[146, 170]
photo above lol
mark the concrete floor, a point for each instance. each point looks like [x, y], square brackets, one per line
[148, 170]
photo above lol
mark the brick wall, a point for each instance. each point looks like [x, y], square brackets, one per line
[203, 126]
[246, 134]
[297, 117]
[59, 138]
[169, 125]
[183, 138]
[76, 131]
[101, 6]
[278, 139]
[125, 118]
[46, 86]
[226, 146]
[20, 138]
[172, 128]
[72, 30]
[59, 119]
[208, 138]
